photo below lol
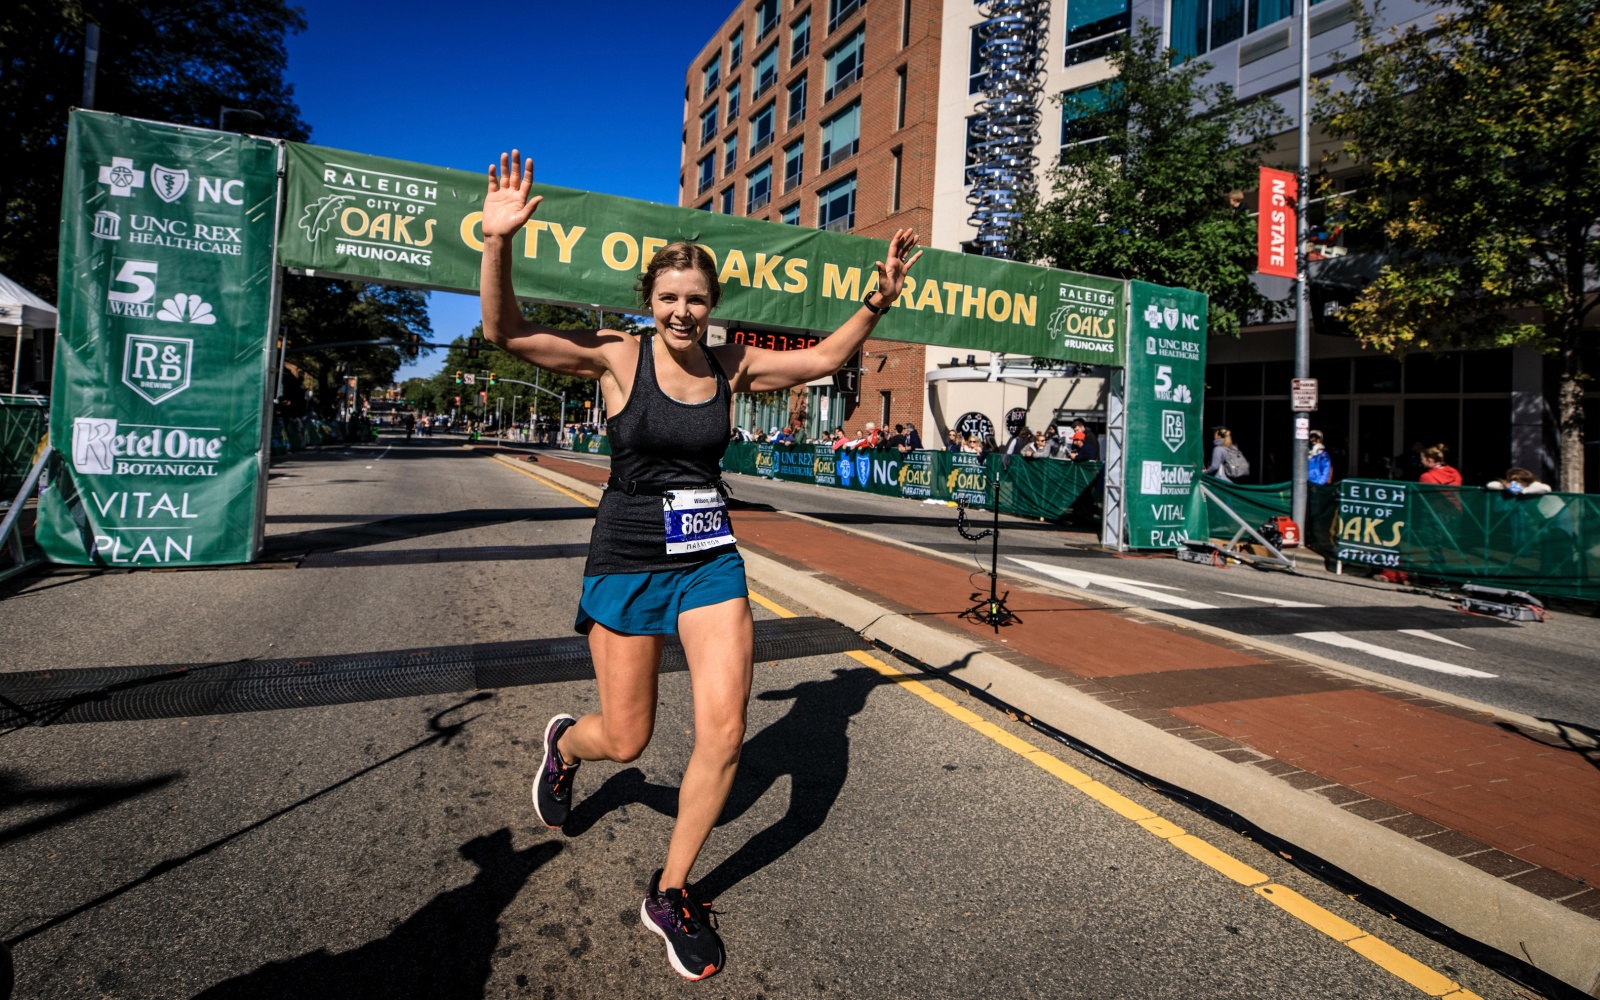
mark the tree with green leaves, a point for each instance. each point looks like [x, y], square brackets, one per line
[1480, 141]
[168, 62]
[508, 366]
[323, 310]
[1144, 192]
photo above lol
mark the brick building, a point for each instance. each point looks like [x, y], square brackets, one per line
[822, 113]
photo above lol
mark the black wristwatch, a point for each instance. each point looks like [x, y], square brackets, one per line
[866, 300]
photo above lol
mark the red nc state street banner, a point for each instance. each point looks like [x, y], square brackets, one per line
[1276, 238]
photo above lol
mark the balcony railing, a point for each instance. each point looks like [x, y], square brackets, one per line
[796, 116]
[705, 185]
[761, 142]
[843, 224]
[759, 201]
[791, 180]
[839, 154]
[845, 80]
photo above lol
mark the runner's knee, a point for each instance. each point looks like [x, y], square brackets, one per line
[625, 745]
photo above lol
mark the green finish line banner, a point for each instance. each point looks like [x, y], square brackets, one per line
[1166, 442]
[167, 279]
[394, 222]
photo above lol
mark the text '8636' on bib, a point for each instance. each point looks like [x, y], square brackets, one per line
[697, 520]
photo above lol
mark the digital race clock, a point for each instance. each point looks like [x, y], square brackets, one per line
[773, 341]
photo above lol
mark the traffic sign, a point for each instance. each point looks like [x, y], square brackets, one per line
[469, 378]
[1303, 395]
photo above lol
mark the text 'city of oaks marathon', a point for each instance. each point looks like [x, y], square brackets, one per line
[174, 241]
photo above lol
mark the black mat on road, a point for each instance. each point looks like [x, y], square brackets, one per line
[118, 694]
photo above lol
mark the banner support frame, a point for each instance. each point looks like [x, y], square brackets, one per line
[271, 387]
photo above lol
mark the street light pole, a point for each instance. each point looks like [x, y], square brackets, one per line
[1302, 310]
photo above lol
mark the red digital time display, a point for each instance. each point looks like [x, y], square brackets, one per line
[773, 341]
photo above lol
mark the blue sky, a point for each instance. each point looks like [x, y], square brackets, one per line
[594, 91]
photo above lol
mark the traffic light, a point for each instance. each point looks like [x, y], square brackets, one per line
[458, 378]
[413, 345]
[473, 344]
[493, 379]
[458, 400]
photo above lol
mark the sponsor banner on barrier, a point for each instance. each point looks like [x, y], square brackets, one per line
[161, 358]
[823, 466]
[766, 464]
[1371, 525]
[392, 221]
[796, 464]
[968, 479]
[916, 474]
[1165, 442]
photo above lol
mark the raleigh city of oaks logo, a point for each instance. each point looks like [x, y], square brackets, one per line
[1085, 319]
[157, 368]
[169, 184]
[122, 177]
[1172, 429]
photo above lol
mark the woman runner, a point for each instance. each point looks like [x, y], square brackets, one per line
[662, 558]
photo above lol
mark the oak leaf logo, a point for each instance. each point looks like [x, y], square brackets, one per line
[319, 215]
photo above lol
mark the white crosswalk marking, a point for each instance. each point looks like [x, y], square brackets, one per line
[1383, 652]
[1422, 633]
[1277, 601]
[1088, 581]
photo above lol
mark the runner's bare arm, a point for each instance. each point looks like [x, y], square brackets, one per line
[506, 209]
[755, 369]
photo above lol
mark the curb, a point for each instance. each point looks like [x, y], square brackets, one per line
[1470, 901]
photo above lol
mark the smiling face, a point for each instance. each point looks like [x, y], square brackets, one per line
[680, 302]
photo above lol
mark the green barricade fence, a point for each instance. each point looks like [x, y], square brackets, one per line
[1030, 487]
[591, 444]
[24, 420]
[1258, 504]
[1548, 544]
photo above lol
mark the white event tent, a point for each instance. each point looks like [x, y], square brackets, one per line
[22, 316]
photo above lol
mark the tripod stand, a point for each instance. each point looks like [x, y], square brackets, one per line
[991, 611]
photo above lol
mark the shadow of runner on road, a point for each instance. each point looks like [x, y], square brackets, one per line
[444, 951]
[810, 744]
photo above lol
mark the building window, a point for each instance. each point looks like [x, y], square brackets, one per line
[1078, 110]
[790, 216]
[705, 206]
[733, 101]
[764, 73]
[761, 128]
[759, 188]
[844, 65]
[736, 49]
[793, 164]
[905, 23]
[974, 153]
[838, 10]
[894, 180]
[977, 72]
[836, 206]
[727, 200]
[1199, 26]
[900, 98]
[713, 75]
[885, 399]
[766, 17]
[1095, 27]
[708, 125]
[841, 136]
[797, 102]
[730, 153]
[708, 174]
[800, 40]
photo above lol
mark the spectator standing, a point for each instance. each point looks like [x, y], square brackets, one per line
[1227, 462]
[1088, 444]
[913, 441]
[1519, 482]
[1435, 471]
[1319, 465]
[838, 439]
[952, 440]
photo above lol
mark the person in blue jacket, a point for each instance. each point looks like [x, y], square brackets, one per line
[1319, 465]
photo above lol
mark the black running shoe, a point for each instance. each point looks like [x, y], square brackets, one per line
[552, 789]
[693, 947]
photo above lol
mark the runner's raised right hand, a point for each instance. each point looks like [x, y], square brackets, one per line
[506, 208]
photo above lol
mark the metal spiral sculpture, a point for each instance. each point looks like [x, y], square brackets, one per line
[1005, 133]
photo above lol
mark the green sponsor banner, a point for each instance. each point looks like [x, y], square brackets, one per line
[966, 478]
[917, 469]
[1165, 441]
[396, 222]
[167, 281]
[1372, 521]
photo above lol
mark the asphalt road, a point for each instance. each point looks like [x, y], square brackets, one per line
[875, 845]
[1549, 670]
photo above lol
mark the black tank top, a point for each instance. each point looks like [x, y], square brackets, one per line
[657, 443]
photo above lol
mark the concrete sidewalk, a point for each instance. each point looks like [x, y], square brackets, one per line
[1486, 822]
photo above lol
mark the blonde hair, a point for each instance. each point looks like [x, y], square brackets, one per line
[1435, 454]
[1227, 436]
[680, 256]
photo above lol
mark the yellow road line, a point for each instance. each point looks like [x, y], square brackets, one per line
[1374, 950]
[555, 486]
